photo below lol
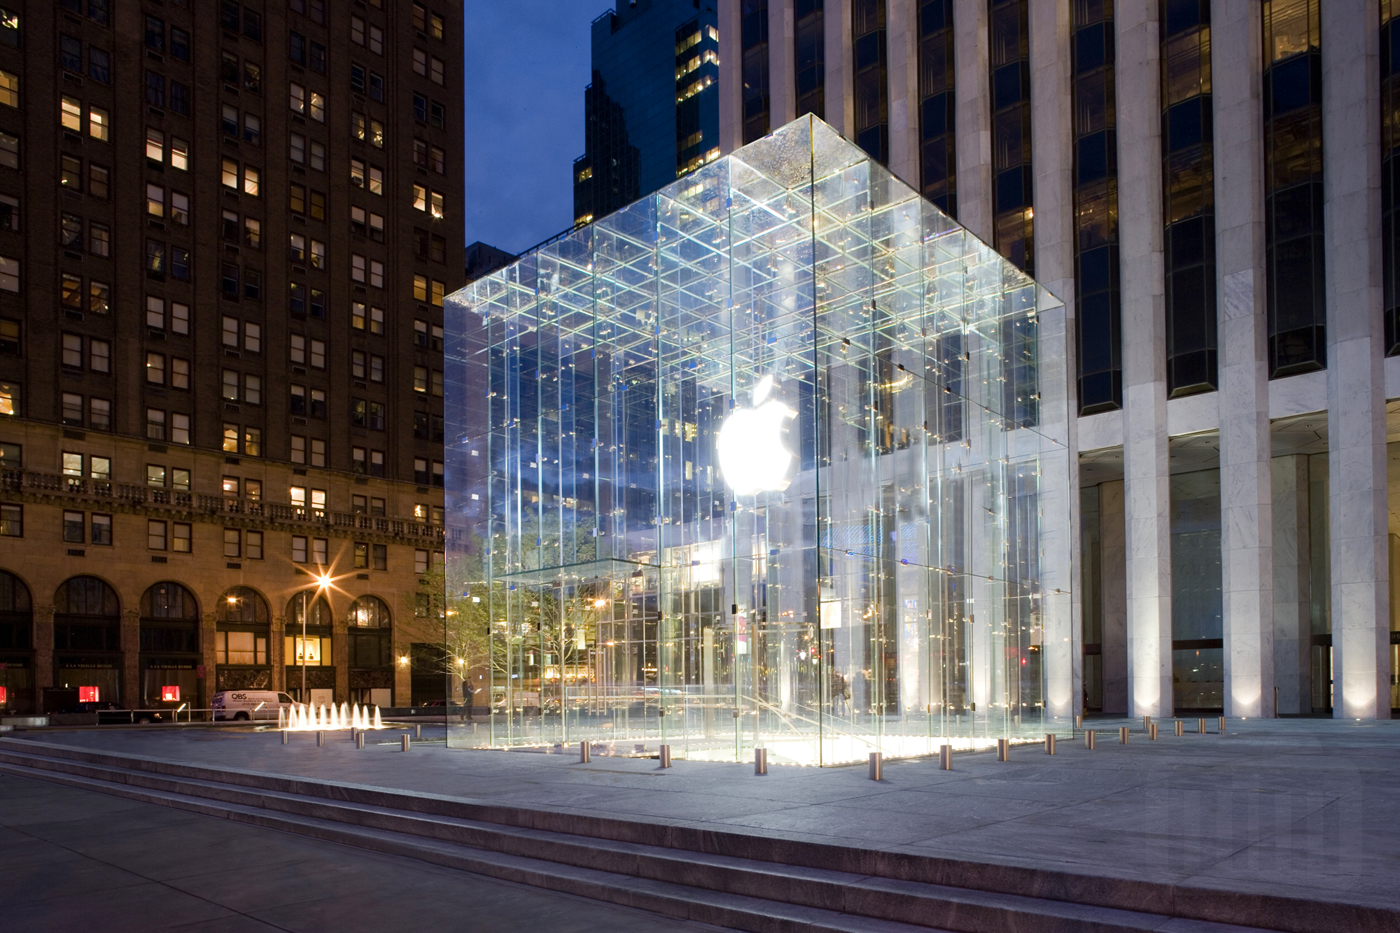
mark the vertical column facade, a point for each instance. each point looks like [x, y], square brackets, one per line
[1246, 506]
[839, 67]
[1147, 491]
[1355, 380]
[1054, 218]
[782, 87]
[973, 117]
[731, 84]
[903, 47]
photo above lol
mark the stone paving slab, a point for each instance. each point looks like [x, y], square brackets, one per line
[87, 861]
[1303, 808]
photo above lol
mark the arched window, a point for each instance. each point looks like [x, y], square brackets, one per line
[169, 601]
[16, 615]
[169, 646]
[320, 611]
[369, 612]
[243, 605]
[86, 596]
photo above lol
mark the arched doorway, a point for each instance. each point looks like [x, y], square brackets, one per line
[169, 647]
[242, 627]
[87, 643]
[309, 653]
[16, 645]
[371, 644]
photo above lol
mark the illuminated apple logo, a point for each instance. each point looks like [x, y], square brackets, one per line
[752, 455]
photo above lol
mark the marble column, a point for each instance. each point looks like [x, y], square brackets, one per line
[902, 47]
[1053, 159]
[1147, 494]
[782, 73]
[1351, 154]
[972, 121]
[1292, 585]
[840, 67]
[1113, 597]
[208, 630]
[1246, 504]
[731, 75]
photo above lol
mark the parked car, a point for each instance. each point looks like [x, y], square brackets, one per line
[248, 704]
[109, 713]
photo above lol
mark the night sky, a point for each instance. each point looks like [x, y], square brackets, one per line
[526, 65]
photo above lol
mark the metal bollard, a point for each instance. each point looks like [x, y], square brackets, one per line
[760, 761]
[1152, 732]
[1079, 723]
[1122, 735]
[877, 766]
[320, 739]
[584, 755]
[1146, 721]
[1003, 749]
[665, 756]
[945, 758]
[359, 740]
[1201, 726]
[284, 736]
[1179, 724]
[418, 731]
[404, 746]
[1049, 743]
[1222, 725]
[1089, 740]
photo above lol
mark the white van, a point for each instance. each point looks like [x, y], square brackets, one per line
[249, 704]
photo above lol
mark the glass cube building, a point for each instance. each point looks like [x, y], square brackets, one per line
[774, 457]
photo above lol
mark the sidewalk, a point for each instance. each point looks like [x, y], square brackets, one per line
[1301, 808]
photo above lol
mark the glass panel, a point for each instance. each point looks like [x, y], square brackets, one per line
[761, 464]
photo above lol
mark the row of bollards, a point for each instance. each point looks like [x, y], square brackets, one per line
[358, 737]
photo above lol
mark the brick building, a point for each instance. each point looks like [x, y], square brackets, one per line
[225, 233]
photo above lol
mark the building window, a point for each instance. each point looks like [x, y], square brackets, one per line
[299, 551]
[11, 520]
[1011, 132]
[9, 89]
[156, 535]
[1188, 199]
[1293, 187]
[73, 527]
[101, 529]
[937, 150]
[1099, 318]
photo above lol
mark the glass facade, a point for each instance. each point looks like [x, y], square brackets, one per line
[809, 59]
[754, 40]
[1188, 197]
[765, 469]
[1390, 168]
[1099, 320]
[1293, 187]
[1013, 216]
[938, 156]
[872, 95]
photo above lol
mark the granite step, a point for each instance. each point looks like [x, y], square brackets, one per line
[925, 905]
[903, 889]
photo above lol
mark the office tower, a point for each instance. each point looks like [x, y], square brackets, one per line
[650, 110]
[229, 228]
[1208, 187]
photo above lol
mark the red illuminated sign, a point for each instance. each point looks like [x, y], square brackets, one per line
[87, 694]
[4, 696]
[170, 694]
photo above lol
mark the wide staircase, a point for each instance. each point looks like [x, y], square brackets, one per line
[729, 879]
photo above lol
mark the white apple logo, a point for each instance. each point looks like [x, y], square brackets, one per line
[752, 455]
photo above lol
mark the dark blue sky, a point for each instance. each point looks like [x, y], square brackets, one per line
[526, 65]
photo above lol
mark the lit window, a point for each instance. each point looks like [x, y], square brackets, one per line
[71, 114]
[9, 89]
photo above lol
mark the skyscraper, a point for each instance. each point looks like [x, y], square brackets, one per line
[1208, 188]
[229, 228]
[651, 108]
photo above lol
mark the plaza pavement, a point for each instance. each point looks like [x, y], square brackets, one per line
[1294, 808]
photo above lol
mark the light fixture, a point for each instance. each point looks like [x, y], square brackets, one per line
[324, 580]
